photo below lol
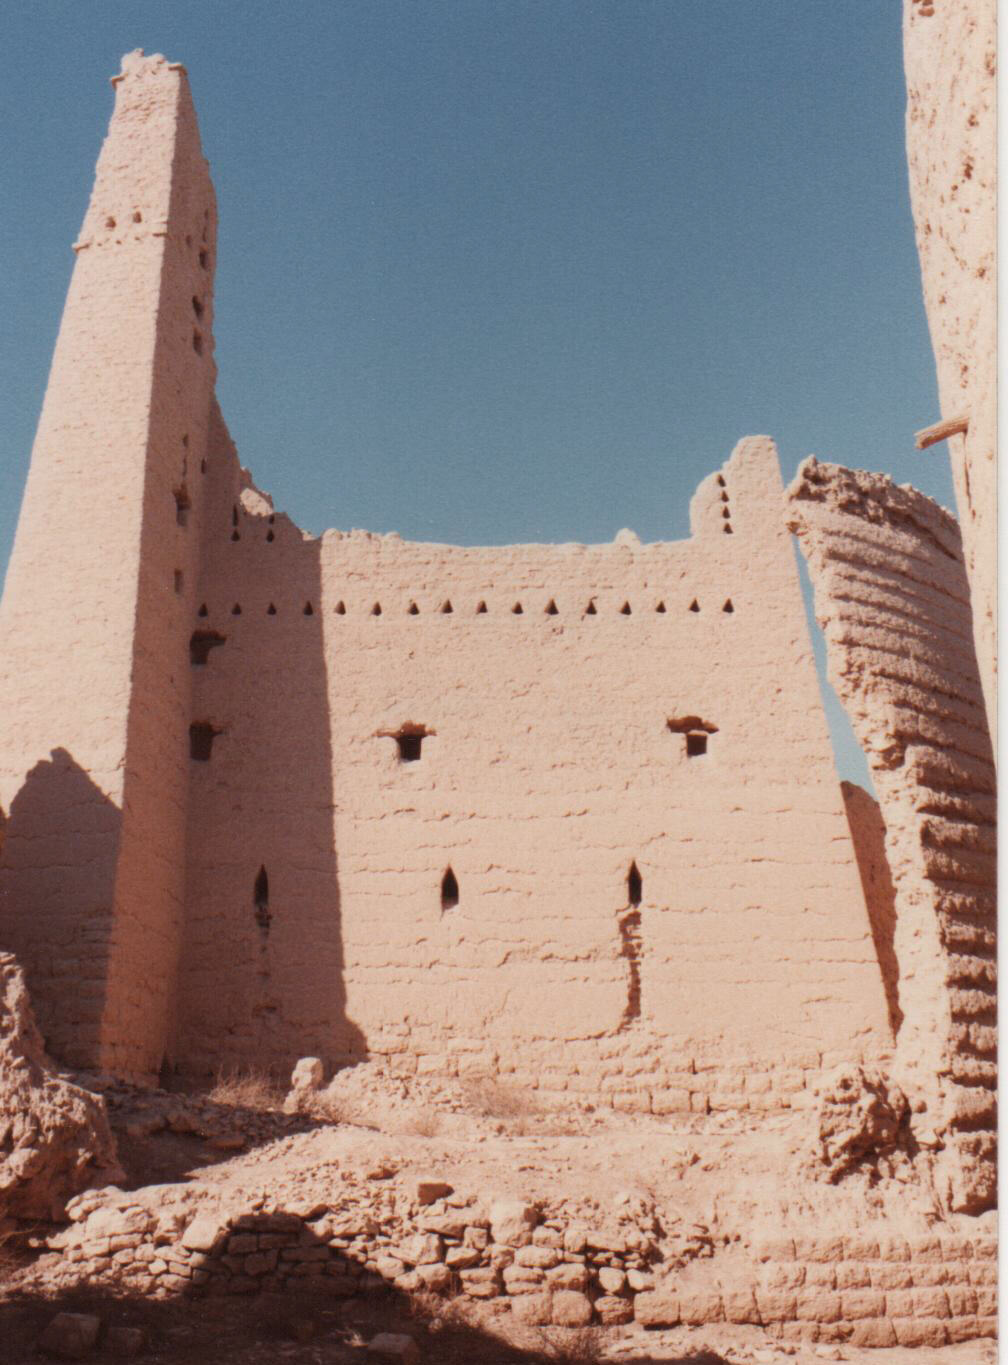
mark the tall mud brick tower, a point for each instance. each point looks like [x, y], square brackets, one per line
[99, 594]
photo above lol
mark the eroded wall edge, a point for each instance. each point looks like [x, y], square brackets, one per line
[892, 597]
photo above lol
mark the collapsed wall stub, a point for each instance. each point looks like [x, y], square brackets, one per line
[892, 596]
[950, 55]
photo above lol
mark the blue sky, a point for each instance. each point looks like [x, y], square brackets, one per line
[507, 270]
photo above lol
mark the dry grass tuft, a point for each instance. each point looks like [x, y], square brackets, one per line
[421, 1123]
[518, 1108]
[247, 1088]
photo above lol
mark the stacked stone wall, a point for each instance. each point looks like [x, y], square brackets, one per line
[548, 1264]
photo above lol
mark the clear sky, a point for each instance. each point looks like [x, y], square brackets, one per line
[507, 270]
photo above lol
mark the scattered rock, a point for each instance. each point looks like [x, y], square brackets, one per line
[307, 1074]
[70, 1335]
[511, 1222]
[394, 1346]
[125, 1341]
[429, 1189]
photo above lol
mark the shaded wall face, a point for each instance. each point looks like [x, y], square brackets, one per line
[547, 771]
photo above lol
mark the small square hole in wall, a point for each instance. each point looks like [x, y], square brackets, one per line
[201, 738]
[409, 747]
[695, 731]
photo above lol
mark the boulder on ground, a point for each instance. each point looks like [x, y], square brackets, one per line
[70, 1335]
[55, 1138]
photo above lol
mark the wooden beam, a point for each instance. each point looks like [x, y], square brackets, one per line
[941, 431]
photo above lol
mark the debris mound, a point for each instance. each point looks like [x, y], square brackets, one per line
[55, 1138]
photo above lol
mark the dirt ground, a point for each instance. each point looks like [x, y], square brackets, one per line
[235, 1144]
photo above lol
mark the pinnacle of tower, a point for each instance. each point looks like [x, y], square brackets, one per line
[136, 64]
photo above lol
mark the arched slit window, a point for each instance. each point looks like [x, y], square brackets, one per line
[449, 891]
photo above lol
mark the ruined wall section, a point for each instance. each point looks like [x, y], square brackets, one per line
[950, 52]
[539, 682]
[892, 596]
[94, 691]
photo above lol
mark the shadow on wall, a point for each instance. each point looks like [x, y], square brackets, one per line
[57, 893]
[868, 837]
[263, 872]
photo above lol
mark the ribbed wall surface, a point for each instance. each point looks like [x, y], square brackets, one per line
[893, 599]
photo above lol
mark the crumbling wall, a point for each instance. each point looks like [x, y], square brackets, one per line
[950, 52]
[649, 858]
[892, 596]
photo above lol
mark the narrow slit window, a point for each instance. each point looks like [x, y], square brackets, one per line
[179, 580]
[203, 610]
[635, 886]
[270, 537]
[720, 481]
[201, 642]
[309, 610]
[197, 341]
[590, 608]
[182, 504]
[260, 899]
[201, 737]
[271, 610]
[449, 891]
[197, 307]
